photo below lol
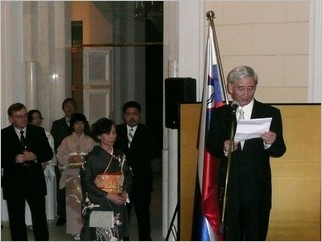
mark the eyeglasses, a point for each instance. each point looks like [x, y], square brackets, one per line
[20, 116]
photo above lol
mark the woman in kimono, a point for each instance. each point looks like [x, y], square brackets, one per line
[100, 196]
[70, 156]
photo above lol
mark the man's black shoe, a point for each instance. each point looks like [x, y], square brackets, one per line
[60, 221]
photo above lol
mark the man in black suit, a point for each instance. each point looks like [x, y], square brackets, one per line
[139, 148]
[23, 148]
[60, 130]
[249, 189]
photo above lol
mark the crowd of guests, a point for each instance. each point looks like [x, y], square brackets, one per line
[101, 174]
[93, 173]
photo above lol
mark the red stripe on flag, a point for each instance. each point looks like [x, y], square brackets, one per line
[210, 206]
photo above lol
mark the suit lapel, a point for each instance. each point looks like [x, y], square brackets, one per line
[257, 111]
[124, 140]
[29, 136]
[14, 134]
[16, 139]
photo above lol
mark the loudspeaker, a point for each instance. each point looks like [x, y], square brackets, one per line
[177, 90]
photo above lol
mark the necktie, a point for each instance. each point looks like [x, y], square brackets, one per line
[22, 139]
[241, 114]
[131, 134]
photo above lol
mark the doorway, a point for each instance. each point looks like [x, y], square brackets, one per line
[136, 62]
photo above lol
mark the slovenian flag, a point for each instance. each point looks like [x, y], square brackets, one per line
[206, 224]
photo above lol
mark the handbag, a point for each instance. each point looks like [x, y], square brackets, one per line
[101, 219]
[111, 182]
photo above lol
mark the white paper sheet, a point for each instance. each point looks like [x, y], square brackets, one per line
[251, 128]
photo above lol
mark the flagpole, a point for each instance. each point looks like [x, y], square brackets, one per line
[210, 17]
[207, 214]
[231, 148]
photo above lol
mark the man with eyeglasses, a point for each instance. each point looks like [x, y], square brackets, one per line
[23, 148]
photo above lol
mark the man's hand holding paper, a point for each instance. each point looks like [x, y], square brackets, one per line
[252, 128]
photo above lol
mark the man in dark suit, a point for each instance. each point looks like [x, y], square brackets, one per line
[248, 200]
[23, 148]
[60, 130]
[138, 143]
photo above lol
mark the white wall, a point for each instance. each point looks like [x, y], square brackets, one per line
[273, 38]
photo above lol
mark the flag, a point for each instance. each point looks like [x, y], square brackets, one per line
[206, 226]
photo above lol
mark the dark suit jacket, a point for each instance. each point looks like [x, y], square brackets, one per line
[59, 131]
[140, 154]
[18, 178]
[250, 166]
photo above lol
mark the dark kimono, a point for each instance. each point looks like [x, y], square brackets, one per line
[95, 163]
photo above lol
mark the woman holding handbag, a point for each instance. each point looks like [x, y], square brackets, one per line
[106, 180]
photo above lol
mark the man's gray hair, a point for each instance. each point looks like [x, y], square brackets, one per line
[241, 72]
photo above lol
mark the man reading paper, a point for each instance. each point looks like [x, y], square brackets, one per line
[248, 200]
[251, 128]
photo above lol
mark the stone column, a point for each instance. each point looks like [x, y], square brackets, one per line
[315, 53]
[184, 30]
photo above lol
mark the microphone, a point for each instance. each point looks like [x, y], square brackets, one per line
[234, 106]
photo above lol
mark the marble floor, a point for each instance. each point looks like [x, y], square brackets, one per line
[57, 233]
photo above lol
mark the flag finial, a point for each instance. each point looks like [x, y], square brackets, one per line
[210, 15]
